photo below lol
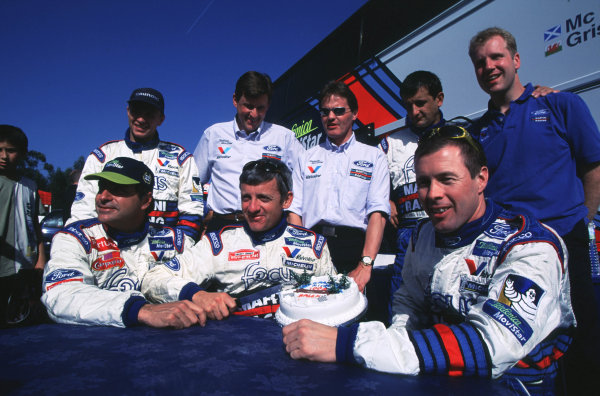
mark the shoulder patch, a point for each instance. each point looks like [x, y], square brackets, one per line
[531, 231]
[385, 146]
[319, 245]
[75, 229]
[299, 231]
[216, 243]
[183, 157]
[99, 154]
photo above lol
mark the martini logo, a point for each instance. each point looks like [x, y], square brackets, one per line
[361, 174]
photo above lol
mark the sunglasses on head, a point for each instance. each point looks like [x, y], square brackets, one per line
[338, 111]
[267, 167]
[451, 132]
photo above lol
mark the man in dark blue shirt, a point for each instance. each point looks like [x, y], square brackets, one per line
[543, 156]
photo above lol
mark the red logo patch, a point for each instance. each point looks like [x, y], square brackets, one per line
[108, 261]
[103, 244]
[244, 254]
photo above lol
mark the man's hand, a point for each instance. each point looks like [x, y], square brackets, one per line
[306, 339]
[541, 90]
[178, 314]
[394, 214]
[361, 275]
[216, 305]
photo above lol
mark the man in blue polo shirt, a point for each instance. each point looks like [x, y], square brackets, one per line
[543, 155]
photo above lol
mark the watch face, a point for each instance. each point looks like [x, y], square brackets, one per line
[367, 260]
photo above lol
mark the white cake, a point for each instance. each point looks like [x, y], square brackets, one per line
[314, 301]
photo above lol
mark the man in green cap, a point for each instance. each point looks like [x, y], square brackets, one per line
[97, 265]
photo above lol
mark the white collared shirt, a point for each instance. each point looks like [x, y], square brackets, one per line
[224, 149]
[341, 185]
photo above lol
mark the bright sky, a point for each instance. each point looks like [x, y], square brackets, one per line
[68, 67]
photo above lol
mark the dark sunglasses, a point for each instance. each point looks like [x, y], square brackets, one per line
[268, 167]
[451, 132]
[338, 111]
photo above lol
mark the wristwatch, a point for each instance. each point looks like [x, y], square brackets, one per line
[366, 261]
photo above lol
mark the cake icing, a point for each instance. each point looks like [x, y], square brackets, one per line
[326, 299]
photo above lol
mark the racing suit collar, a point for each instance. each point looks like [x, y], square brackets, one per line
[139, 147]
[259, 238]
[126, 239]
[466, 234]
[420, 131]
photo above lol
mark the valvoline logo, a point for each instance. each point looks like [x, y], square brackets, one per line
[162, 163]
[224, 150]
[291, 253]
[315, 169]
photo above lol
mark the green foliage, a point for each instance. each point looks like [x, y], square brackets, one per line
[47, 177]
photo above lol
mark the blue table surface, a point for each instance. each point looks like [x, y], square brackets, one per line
[236, 356]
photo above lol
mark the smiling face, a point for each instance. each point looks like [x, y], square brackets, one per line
[143, 121]
[338, 128]
[263, 205]
[120, 206]
[423, 110]
[446, 190]
[251, 111]
[496, 69]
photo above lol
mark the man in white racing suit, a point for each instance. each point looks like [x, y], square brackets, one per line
[485, 292]
[178, 198]
[249, 262]
[97, 265]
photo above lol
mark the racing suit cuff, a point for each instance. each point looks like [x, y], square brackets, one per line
[131, 310]
[344, 345]
[188, 291]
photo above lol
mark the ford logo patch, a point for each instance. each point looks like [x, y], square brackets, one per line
[363, 164]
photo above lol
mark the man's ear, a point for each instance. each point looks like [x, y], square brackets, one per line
[146, 200]
[287, 201]
[483, 178]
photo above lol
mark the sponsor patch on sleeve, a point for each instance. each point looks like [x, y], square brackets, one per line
[173, 264]
[183, 157]
[510, 319]
[62, 276]
[522, 295]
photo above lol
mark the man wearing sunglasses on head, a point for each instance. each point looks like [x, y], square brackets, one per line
[178, 198]
[224, 148]
[544, 157]
[97, 265]
[342, 188]
[248, 261]
[485, 291]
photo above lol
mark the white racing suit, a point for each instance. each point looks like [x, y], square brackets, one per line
[94, 276]
[178, 198]
[246, 265]
[491, 298]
